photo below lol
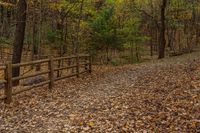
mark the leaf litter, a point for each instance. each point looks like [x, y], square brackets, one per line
[160, 96]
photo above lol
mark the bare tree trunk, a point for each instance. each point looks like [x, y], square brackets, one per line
[137, 54]
[132, 56]
[35, 36]
[76, 51]
[162, 31]
[151, 43]
[19, 36]
[107, 54]
[196, 35]
[1, 19]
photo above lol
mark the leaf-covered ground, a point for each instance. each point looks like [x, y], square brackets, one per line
[160, 96]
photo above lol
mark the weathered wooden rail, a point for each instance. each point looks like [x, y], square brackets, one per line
[80, 61]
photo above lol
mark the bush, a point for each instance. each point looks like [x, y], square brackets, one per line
[115, 62]
[51, 36]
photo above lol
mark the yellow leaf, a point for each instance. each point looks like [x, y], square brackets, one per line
[91, 124]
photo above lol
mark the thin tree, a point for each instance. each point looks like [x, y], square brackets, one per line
[76, 47]
[19, 36]
[162, 30]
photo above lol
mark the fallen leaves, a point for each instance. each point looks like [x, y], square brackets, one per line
[151, 97]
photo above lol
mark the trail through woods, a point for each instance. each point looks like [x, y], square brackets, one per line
[160, 96]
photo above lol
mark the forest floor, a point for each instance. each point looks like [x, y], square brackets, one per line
[158, 96]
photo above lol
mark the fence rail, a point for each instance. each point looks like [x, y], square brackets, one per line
[82, 63]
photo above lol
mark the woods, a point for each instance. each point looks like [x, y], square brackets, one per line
[99, 66]
[106, 29]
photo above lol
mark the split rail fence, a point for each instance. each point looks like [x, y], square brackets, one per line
[81, 64]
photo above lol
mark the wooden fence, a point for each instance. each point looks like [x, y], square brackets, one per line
[82, 64]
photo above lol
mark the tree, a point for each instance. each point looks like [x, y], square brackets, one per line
[104, 30]
[103, 27]
[19, 37]
[162, 31]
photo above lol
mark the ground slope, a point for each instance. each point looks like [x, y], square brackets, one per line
[159, 96]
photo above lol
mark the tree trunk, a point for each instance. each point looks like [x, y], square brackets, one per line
[76, 48]
[137, 55]
[107, 55]
[1, 19]
[162, 30]
[19, 36]
[151, 42]
[132, 56]
[35, 51]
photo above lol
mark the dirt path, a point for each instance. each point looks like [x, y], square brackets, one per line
[151, 97]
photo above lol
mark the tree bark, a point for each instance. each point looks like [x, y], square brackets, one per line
[19, 37]
[76, 47]
[1, 19]
[162, 31]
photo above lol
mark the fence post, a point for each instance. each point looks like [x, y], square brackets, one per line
[51, 73]
[8, 88]
[90, 64]
[77, 65]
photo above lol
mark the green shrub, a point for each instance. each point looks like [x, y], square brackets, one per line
[115, 62]
[51, 36]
